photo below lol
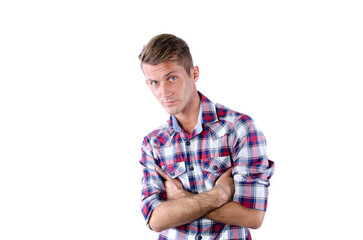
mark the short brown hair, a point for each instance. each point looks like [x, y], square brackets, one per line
[167, 47]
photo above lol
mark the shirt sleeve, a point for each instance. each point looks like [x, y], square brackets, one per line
[153, 192]
[252, 168]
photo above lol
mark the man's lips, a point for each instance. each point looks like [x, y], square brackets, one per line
[169, 103]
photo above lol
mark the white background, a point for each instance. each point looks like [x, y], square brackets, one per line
[74, 109]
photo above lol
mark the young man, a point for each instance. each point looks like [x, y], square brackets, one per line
[205, 172]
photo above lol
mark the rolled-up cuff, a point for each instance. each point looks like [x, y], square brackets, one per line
[148, 205]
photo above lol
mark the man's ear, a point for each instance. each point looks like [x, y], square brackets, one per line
[195, 73]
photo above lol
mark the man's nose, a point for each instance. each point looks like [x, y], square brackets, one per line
[165, 90]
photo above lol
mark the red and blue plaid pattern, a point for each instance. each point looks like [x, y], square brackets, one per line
[222, 139]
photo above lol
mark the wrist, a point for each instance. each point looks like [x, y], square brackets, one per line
[220, 196]
[225, 191]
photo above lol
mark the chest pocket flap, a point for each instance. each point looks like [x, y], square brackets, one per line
[213, 168]
[174, 170]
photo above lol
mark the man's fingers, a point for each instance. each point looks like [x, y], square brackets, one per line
[161, 173]
[229, 171]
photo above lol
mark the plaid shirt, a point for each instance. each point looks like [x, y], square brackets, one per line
[223, 138]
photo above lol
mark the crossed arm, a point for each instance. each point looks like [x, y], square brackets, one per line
[183, 207]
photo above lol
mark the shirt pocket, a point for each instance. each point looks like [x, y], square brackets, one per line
[174, 170]
[213, 168]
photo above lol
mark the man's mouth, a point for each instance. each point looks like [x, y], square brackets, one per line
[170, 103]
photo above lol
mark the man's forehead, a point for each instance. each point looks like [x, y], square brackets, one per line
[162, 69]
[166, 64]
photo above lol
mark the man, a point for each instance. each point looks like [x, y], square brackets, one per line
[205, 172]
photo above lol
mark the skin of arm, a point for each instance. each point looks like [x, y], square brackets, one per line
[183, 207]
[230, 213]
[233, 213]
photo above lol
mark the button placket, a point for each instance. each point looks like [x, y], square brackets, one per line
[187, 144]
[190, 167]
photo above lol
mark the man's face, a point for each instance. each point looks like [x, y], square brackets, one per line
[171, 85]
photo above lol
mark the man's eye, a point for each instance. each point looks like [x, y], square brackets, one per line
[153, 83]
[172, 78]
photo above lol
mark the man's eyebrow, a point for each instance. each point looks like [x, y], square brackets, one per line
[165, 76]
[168, 74]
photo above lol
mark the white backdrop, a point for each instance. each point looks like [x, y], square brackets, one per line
[74, 109]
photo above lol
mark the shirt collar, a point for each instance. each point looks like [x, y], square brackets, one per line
[209, 112]
[207, 115]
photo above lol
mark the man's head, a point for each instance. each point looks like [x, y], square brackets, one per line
[168, 67]
[167, 48]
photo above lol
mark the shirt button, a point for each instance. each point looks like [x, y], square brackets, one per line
[191, 168]
[199, 237]
[215, 168]
[172, 173]
[187, 143]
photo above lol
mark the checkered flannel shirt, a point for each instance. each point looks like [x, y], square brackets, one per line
[222, 139]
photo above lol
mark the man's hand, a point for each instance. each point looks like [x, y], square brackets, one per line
[173, 187]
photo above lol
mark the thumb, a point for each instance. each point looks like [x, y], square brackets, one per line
[229, 171]
[161, 173]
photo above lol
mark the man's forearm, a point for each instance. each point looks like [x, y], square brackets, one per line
[233, 213]
[177, 212]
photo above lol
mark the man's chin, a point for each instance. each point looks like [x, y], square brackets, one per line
[171, 111]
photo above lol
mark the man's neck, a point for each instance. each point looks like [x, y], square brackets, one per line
[188, 120]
